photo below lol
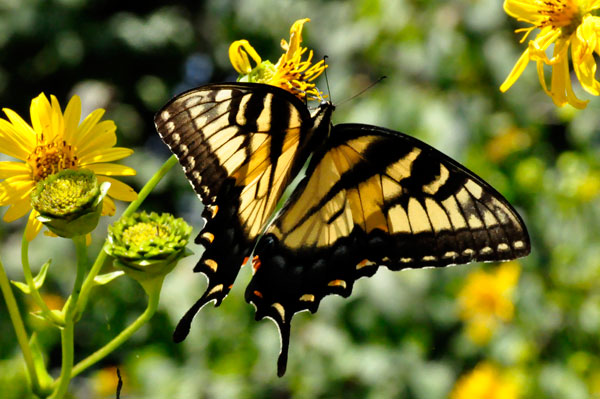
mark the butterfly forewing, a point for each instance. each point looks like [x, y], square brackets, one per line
[238, 145]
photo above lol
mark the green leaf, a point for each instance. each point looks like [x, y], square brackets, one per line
[107, 278]
[41, 277]
[38, 280]
[22, 286]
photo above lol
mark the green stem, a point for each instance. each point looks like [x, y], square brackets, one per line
[147, 189]
[19, 327]
[35, 294]
[69, 327]
[153, 297]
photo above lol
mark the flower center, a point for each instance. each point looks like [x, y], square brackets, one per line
[560, 14]
[143, 232]
[49, 158]
[66, 193]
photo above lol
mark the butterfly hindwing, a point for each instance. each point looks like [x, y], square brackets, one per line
[374, 197]
[239, 145]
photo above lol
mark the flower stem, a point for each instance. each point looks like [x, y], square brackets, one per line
[148, 187]
[35, 294]
[99, 262]
[69, 326]
[153, 297]
[19, 327]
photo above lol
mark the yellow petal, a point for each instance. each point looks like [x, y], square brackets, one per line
[102, 135]
[108, 207]
[21, 127]
[105, 155]
[585, 70]
[542, 77]
[17, 210]
[295, 37]
[516, 71]
[41, 113]
[119, 190]
[558, 83]
[526, 11]
[15, 188]
[561, 89]
[238, 56]
[111, 169]
[33, 226]
[593, 5]
[72, 117]
[542, 41]
[572, 98]
[582, 55]
[58, 124]
[585, 38]
[561, 50]
[9, 169]
[15, 143]
[86, 126]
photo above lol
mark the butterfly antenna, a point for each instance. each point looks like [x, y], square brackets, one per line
[326, 80]
[363, 90]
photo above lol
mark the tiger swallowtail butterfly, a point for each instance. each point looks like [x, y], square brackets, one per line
[371, 196]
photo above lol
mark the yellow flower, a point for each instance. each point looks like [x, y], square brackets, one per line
[54, 142]
[563, 23]
[485, 300]
[104, 382]
[509, 141]
[486, 381]
[290, 73]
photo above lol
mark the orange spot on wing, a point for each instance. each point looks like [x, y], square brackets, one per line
[245, 260]
[258, 294]
[337, 283]
[256, 263]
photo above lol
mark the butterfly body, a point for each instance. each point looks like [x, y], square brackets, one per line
[371, 196]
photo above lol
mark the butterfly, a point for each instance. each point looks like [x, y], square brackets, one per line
[370, 196]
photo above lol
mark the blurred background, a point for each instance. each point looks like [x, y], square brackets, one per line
[527, 329]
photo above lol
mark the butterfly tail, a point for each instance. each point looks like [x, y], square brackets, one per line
[183, 327]
[284, 333]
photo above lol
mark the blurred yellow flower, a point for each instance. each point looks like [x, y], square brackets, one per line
[509, 141]
[486, 381]
[54, 302]
[57, 141]
[563, 23]
[290, 73]
[104, 382]
[486, 299]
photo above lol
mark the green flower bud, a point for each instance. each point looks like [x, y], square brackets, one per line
[69, 202]
[147, 246]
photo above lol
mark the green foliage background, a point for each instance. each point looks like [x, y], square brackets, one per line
[398, 335]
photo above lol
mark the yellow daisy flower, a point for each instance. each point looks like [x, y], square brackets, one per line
[486, 299]
[290, 73]
[486, 381]
[563, 23]
[55, 141]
